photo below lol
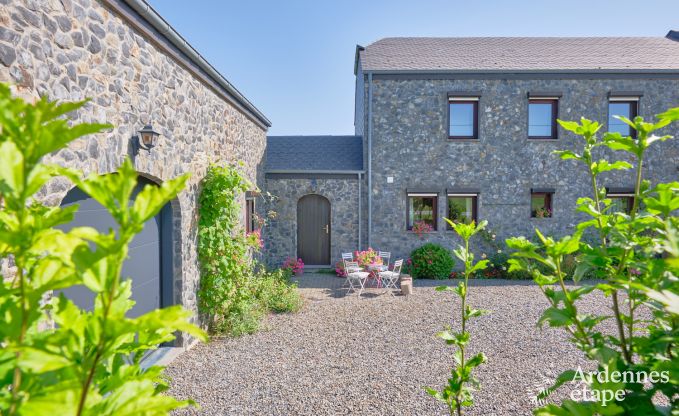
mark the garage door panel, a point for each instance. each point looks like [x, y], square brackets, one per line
[149, 234]
[146, 296]
[81, 296]
[140, 264]
[98, 220]
[143, 265]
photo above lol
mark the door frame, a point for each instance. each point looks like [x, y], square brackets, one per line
[329, 254]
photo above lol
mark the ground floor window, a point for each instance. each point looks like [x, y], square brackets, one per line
[621, 202]
[462, 208]
[421, 208]
[541, 204]
[250, 215]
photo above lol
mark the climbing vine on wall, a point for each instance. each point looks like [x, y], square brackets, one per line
[223, 247]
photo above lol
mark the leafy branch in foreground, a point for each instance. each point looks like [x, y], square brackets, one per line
[458, 392]
[636, 255]
[89, 362]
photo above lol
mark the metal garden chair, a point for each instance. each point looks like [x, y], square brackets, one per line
[385, 256]
[356, 279]
[390, 277]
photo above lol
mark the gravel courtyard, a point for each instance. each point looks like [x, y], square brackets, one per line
[373, 355]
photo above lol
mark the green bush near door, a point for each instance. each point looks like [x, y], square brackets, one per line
[430, 261]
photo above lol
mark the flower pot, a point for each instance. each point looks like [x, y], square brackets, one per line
[406, 285]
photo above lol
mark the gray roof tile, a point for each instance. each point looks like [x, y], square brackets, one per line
[521, 54]
[314, 153]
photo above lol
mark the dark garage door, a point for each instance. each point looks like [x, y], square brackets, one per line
[146, 255]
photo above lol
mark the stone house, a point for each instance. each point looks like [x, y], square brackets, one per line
[465, 128]
[137, 70]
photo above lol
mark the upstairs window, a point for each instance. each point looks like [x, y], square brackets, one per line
[541, 203]
[542, 115]
[250, 215]
[463, 117]
[622, 106]
[462, 208]
[621, 201]
[421, 207]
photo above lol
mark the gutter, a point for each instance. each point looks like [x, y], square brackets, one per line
[522, 71]
[139, 9]
[330, 172]
[370, 156]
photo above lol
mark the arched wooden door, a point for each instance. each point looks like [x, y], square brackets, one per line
[313, 230]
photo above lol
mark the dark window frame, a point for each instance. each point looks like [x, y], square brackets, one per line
[627, 196]
[555, 115]
[250, 213]
[475, 109]
[634, 111]
[475, 205]
[549, 198]
[435, 215]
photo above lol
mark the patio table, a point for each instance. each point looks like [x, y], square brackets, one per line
[375, 270]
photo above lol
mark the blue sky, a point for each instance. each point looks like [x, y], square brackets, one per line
[294, 58]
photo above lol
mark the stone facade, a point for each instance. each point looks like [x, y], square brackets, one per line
[75, 49]
[410, 143]
[280, 236]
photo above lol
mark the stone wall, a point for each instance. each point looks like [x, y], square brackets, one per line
[410, 143]
[280, 235]
[76, 49]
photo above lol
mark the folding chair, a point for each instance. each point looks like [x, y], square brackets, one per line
[346, 257]
[356, 279]
[385, 256]
[390, 277]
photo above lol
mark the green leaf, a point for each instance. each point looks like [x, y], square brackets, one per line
[556, 317]
[670, 115]
[35, 360]
[567, 155]
[481, 265]
[152, 198]
[668, 299]
[11, 169]
[605, 166]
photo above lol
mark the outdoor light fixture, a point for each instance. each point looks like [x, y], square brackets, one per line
[148, 138]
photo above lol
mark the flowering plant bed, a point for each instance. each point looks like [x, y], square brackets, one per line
[296, 266]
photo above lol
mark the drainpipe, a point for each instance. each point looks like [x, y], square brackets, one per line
[370, 156]
[359, 211]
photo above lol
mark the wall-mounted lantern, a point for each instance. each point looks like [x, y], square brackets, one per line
[148, 138]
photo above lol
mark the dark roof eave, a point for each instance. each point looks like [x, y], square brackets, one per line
[518, 71]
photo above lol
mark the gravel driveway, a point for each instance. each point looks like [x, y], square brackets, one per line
[373, 355]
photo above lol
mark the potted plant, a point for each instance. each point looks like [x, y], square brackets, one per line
[367, 257]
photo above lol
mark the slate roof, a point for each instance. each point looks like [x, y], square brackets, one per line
[476, 54]
[314, 153]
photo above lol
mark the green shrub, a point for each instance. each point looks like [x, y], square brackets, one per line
[241, 318]
[275, 292]
[431, 261]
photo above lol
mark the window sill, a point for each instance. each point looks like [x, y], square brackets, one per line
[465, 140]
[542, 139]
